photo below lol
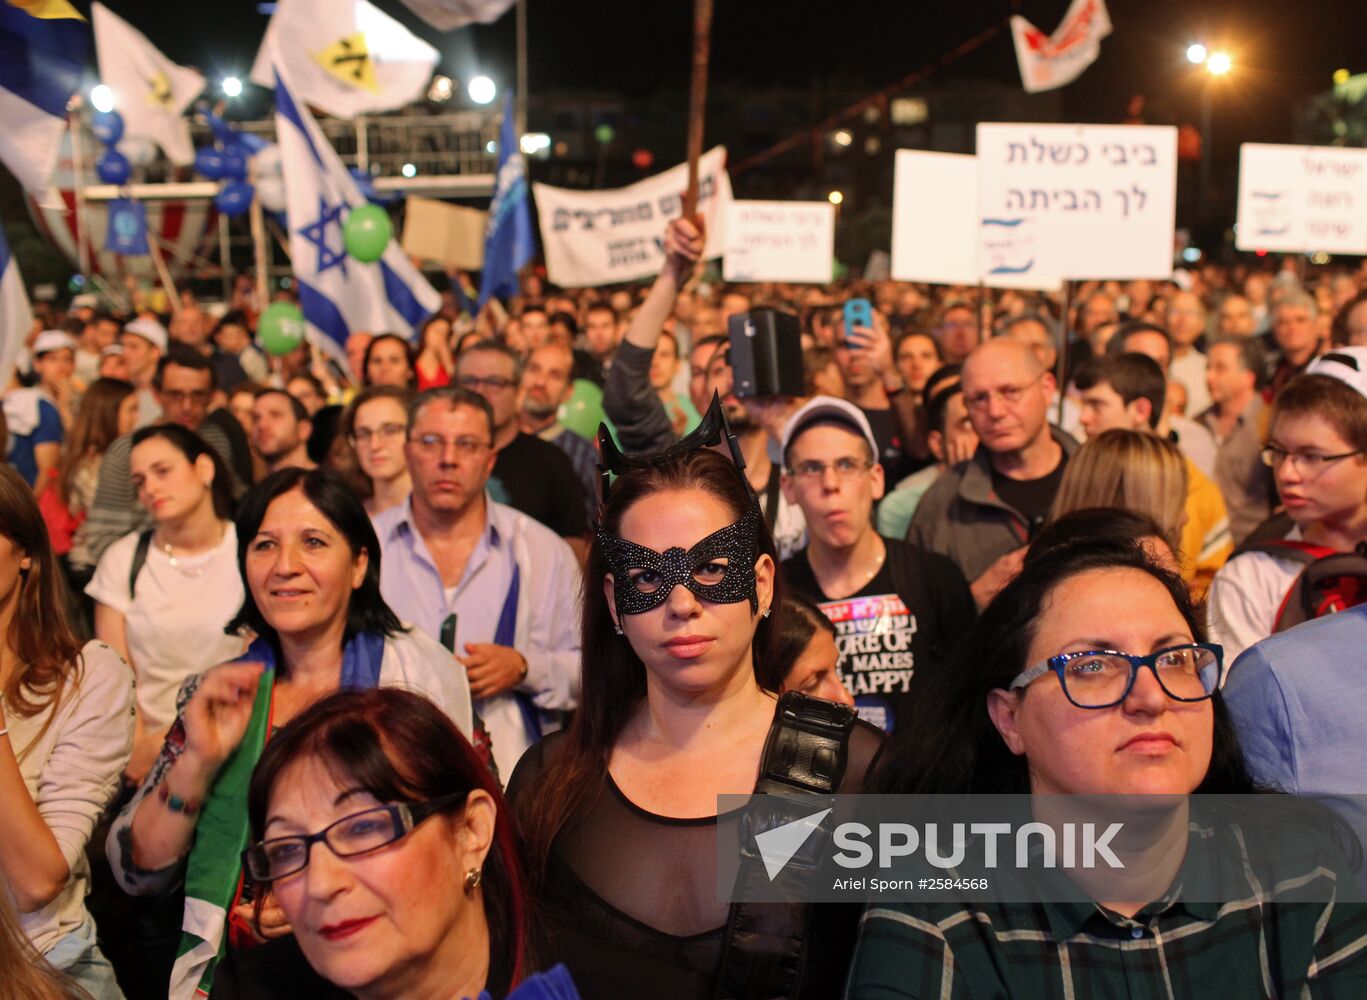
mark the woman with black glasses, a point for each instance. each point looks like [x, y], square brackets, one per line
[1088, 676]
[387, 845]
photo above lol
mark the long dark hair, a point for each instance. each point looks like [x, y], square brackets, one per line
[48, 652]
[408, 352]
[614, 678]
[367, 610]
[796, 621]
[192, 446]
[401, 748]
[96, 427]
[948, 744]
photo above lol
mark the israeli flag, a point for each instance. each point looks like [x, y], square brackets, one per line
[338, 294]
[15, 315]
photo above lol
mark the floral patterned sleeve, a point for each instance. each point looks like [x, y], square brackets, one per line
[119, 847]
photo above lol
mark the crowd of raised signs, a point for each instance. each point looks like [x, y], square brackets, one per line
[351, 673]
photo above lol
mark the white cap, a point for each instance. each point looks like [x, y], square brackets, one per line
[111, 350]
[1347, 364]
[151, 331]
[85, 299]
[832, 409]
[52, 340]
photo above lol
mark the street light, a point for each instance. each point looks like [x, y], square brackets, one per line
[232, 86]
[482, 90]
[835, 197]
[1217, 65]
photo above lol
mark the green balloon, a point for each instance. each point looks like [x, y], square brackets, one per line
[584, 410]
[366, 232]
[281, 328]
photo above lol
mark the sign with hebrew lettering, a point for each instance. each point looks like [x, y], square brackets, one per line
[1302, 199]
[779, 241]
[1076, 201]
[935, 223]
[601, 237]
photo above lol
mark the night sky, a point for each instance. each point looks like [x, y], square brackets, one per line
[1284, 50]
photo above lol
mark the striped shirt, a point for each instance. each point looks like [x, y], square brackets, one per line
[1249, 947]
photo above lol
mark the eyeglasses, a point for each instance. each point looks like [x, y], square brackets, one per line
[434, 445]
[1008, 394]
[494, 383]
[364, 435]
[178, 397]
[350, 836]
[1307, 463]
[845, 468]
[1103, 678]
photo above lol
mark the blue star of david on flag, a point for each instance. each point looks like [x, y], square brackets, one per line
[316, 232]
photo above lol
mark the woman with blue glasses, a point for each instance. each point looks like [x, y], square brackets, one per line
[1088, 676]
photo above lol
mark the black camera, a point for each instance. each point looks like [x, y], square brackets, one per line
[766, 353]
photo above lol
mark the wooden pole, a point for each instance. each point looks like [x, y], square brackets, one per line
[258, 220]
[1061, 364]
[697, 100]
[159, 263]
[82, 222]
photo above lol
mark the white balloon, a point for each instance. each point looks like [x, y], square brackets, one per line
[267, 162]
[271, 192]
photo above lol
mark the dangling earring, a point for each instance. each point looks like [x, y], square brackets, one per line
[764, 613]
[617, 627]
[472, 879]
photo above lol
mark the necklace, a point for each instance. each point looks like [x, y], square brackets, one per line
[196, 572]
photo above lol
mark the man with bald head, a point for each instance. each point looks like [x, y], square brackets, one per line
[982, 512]
[1186, 325]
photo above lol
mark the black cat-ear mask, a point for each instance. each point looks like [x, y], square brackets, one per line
[720, 568]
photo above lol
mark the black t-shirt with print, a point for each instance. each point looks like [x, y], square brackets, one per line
[887, 634]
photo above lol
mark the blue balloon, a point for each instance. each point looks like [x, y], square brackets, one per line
[107, 126]
[234, 199]
[113, 167]
[209, 162]
[234, 166]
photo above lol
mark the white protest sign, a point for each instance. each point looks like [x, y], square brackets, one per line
[1077, 201]
[602, 237]
[1301, 199]
[935, 223]
[779, 241]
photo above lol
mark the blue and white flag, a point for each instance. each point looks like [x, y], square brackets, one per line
[42, 55]
[508, 242]
[15, 315]
[338, 294]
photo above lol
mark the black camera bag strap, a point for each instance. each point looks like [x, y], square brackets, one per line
[764, 950]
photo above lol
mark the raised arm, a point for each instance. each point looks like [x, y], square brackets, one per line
[629, 400]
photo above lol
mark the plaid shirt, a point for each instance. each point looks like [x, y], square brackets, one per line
[1249, 947]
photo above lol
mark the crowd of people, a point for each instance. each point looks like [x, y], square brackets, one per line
[377, 669]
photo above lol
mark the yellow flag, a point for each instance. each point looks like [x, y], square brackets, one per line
[349, 60]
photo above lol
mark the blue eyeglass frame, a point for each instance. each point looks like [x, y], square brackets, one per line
[1060, 662]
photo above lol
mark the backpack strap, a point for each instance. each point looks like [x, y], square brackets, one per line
[764, 950]
[139, 560]
[1330, 582]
